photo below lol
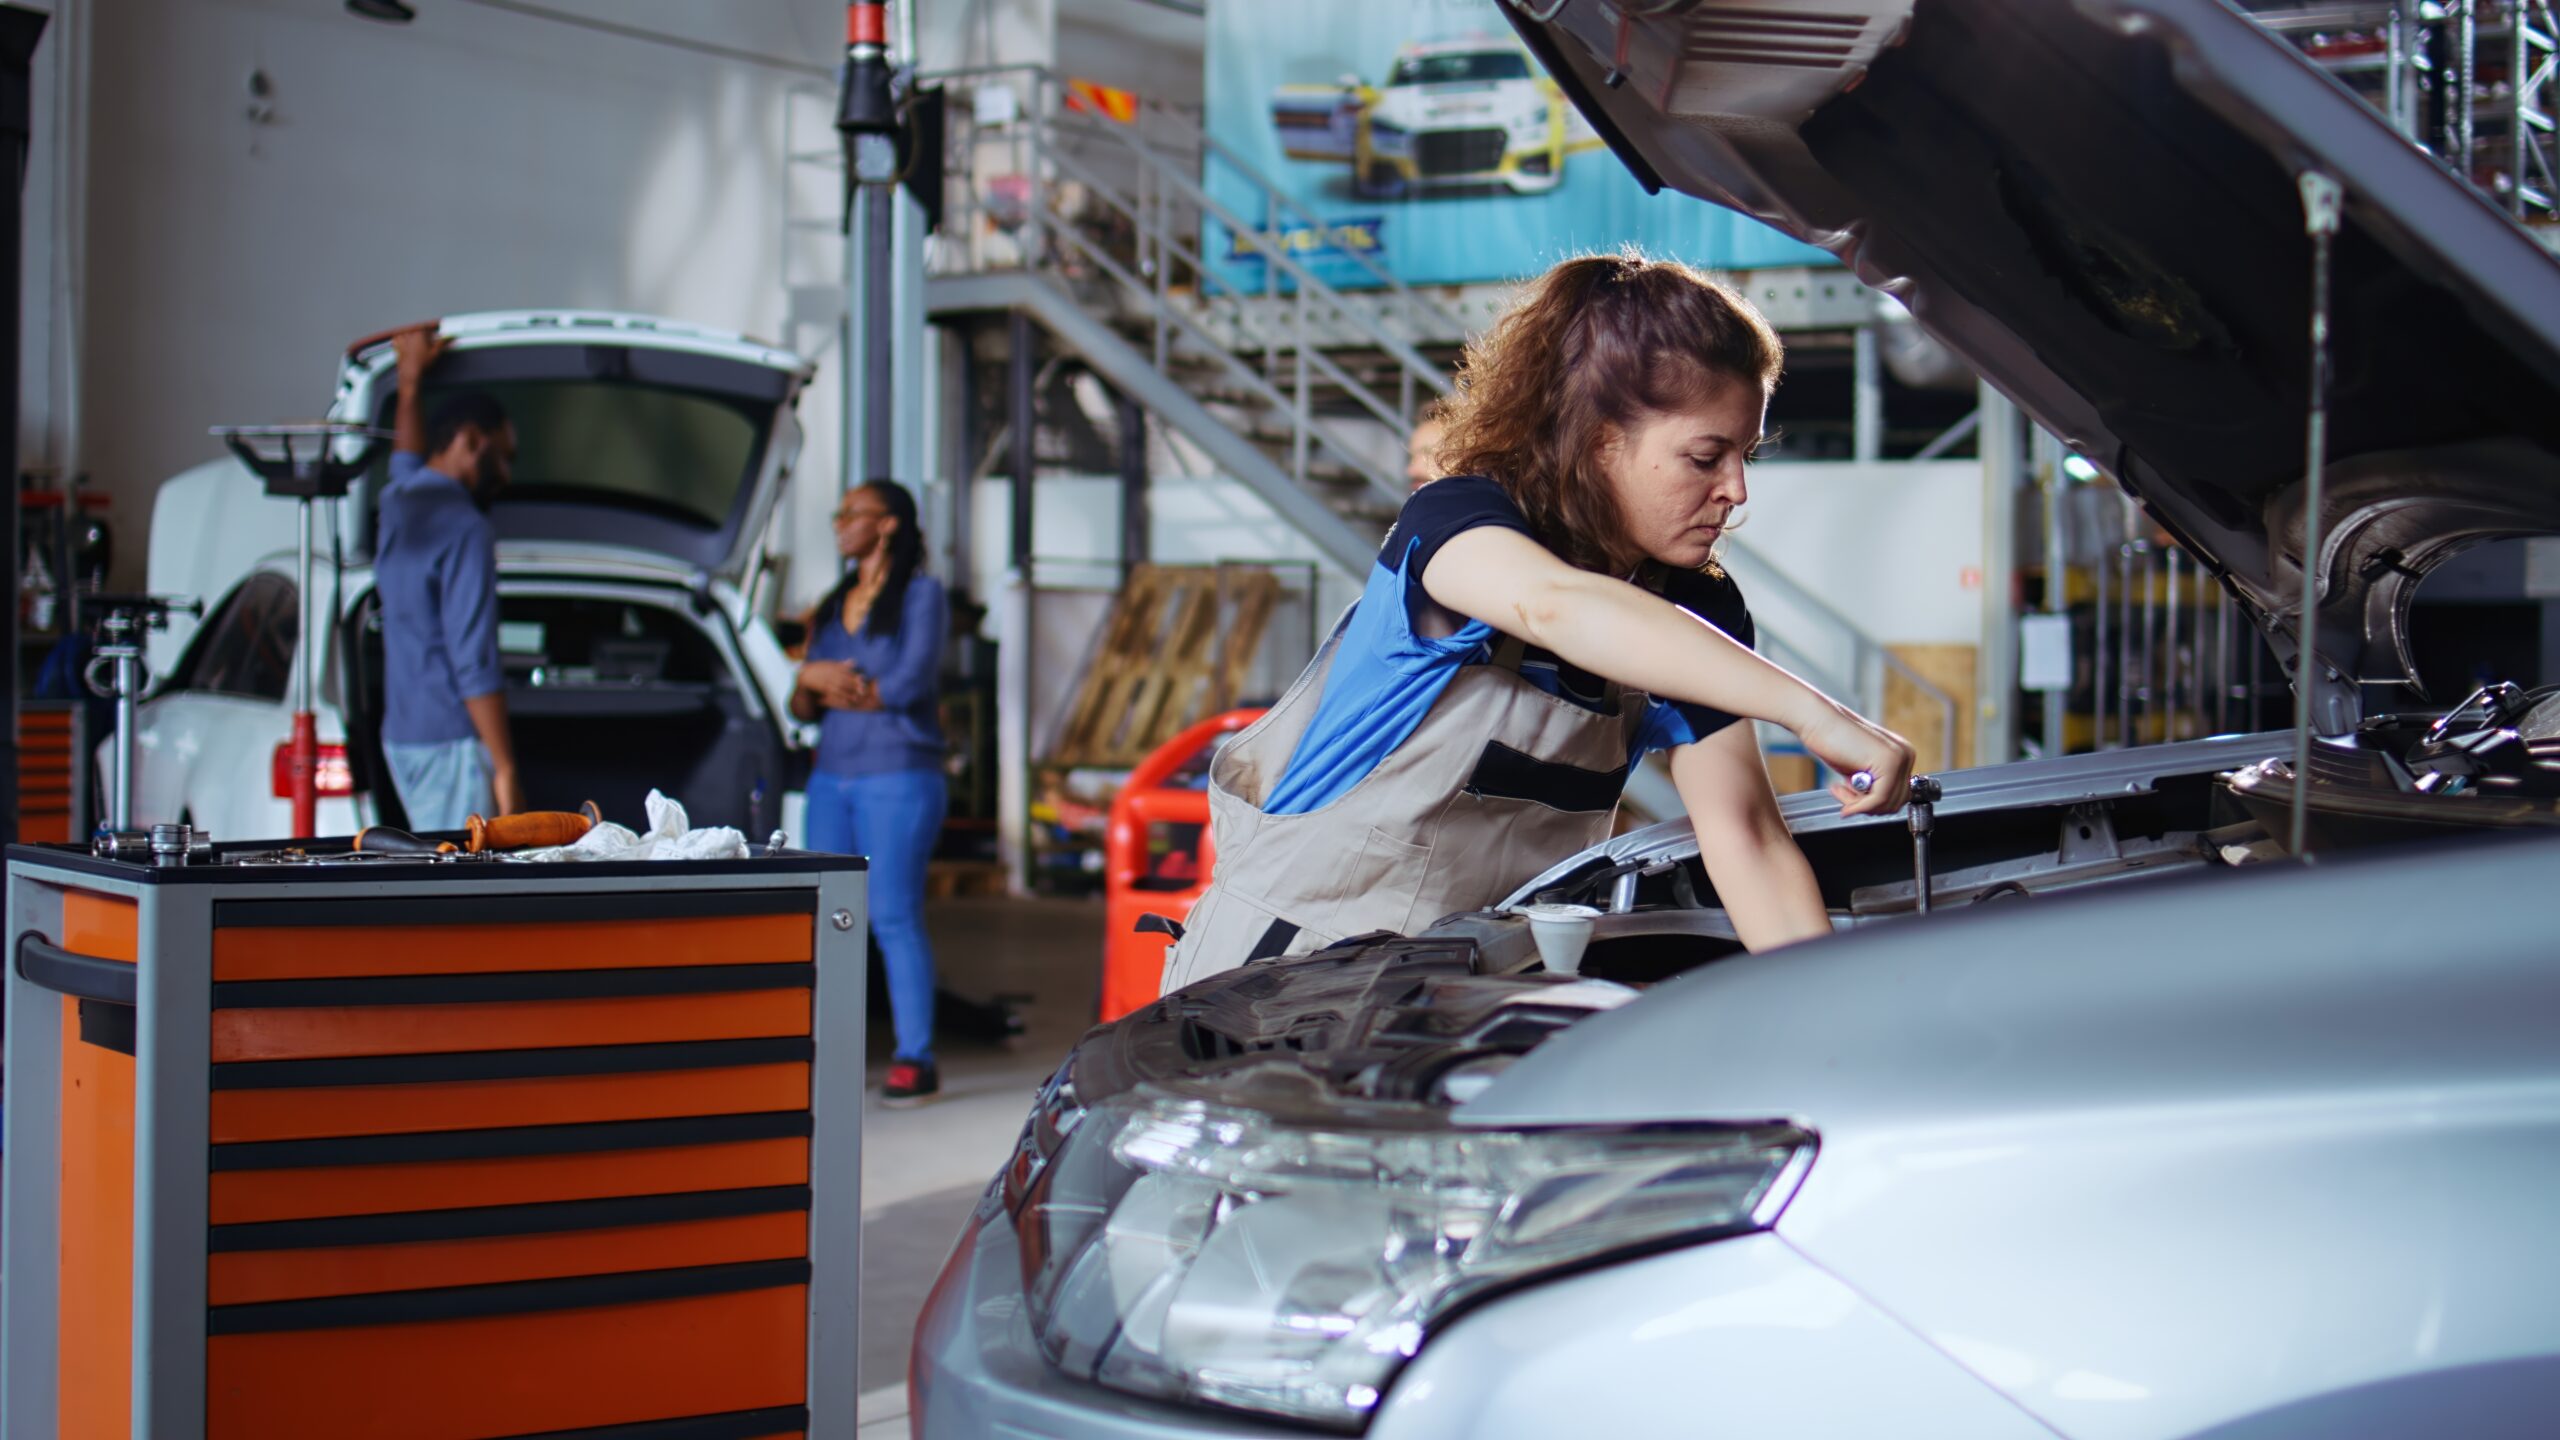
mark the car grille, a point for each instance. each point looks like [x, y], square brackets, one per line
[1458, 152]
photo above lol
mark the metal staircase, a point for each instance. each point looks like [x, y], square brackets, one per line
[1303, 392]
[1096, 228]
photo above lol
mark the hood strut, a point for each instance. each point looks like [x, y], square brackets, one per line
[2321, 195]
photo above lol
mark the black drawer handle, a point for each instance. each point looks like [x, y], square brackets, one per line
[66, 972]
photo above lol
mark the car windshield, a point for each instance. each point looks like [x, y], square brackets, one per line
[679, 453]
[1466, 65]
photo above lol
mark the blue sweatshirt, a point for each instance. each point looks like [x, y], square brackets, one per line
[435, 567]
[906, 732]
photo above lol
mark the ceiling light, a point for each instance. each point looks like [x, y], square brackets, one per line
[391, 11]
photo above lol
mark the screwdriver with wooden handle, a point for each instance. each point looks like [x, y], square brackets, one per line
[533, 830]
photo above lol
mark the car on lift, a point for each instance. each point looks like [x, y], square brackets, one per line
[630, 565]
[1466, 111]
[2137, 1134]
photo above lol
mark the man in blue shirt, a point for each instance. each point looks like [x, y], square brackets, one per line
[444, 712]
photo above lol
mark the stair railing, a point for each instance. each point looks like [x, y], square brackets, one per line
[1169, 213]
[1306, 430]
[1278, 262]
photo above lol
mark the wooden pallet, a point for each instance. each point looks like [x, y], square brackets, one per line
[1175, 650]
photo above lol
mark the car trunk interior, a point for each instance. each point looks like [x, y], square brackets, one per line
[607, 698]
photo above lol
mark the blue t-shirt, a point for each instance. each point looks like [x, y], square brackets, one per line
[1386, 676]
[435, 571]
[905, 733]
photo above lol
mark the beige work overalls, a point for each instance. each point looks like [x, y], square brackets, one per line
[1499, 781]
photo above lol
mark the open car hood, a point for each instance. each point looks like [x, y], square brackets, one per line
[2095, 202]
[633, 433]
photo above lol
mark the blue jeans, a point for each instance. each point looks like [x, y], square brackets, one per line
[892, 817]
[442, 785]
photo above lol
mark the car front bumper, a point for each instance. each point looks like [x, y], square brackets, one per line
[1742, 1337]
[977, 1371]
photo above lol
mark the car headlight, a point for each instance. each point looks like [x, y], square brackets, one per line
[1194, 1251]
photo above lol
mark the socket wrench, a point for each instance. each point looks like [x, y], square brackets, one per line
[1922, 816]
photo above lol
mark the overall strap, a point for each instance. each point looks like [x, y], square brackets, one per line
[1510, 650]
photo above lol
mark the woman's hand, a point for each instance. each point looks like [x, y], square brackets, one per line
[1849, 743]
[834, 685]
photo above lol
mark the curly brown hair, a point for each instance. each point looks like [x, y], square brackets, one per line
[1585, 351]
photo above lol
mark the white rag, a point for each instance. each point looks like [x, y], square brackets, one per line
[669, 838]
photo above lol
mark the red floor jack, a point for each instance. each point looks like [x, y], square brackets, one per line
[323, 470]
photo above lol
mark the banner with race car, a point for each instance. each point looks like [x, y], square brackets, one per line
[1421, 135]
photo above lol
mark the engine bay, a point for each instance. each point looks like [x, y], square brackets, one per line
[1398, 1029]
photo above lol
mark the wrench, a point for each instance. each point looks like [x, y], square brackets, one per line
[1923, 819]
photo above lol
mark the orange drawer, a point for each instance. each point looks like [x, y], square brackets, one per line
[512, 1374]
[248, 1196]
[95, 1314]
[252, 1276]
[316, 1111]
[319, 1032]
[328, 951]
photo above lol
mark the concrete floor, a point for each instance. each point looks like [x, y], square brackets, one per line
[923, 1169]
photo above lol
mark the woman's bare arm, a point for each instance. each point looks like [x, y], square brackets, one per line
[1759, 873]
[1644, 642]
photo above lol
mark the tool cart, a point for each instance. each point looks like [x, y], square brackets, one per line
[319, 1142]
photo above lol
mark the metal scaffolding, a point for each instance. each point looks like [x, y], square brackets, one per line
[2474, 82]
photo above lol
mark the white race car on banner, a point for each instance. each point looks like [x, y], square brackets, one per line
[1453, 112]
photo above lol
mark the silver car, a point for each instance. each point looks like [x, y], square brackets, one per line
[2240, 1156]
[2218, 1146]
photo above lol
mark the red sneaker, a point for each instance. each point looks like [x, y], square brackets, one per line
[910, 1082]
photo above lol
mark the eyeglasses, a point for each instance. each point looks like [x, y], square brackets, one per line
[848, 516]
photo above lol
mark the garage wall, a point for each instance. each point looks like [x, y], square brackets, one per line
[475, 159]
[1895, 546]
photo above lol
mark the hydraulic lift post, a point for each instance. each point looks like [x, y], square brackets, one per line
[322, 472]
[868, 120]
[892, 130]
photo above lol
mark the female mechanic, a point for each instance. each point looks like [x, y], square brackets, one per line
[1536, 624]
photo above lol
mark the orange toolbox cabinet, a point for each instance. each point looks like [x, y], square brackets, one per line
[1141, 877]
[420, 1150]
